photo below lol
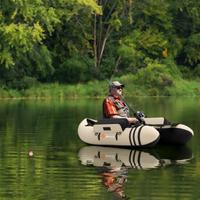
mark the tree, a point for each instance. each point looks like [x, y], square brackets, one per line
[186, 21]
[114, 13]
[26, 25]
[148, 38]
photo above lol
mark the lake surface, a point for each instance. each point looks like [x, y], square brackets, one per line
[63, 167]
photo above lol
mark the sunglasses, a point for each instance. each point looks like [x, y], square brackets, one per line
[119, 87]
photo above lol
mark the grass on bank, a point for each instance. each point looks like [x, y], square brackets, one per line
[97, 89]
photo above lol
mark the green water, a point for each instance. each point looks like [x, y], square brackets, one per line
[58, 171]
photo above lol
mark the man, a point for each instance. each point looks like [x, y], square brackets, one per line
[113, 104]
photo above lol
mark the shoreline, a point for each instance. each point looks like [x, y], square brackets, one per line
[93, 90]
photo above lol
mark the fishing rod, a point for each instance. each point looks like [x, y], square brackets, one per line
[137, 114]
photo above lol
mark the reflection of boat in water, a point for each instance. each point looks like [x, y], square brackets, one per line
[111, 157]
[114, 163]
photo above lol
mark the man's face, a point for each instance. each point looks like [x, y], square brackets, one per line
[118, 90]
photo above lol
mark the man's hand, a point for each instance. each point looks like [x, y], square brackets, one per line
[132, 120]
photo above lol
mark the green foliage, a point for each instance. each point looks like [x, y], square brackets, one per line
[35, 65]
[186, 16]
[25, 32]
[185, 72]
[139, 46]
[73, 70]
[25, 83]
[152, 14]
[92, 4]
[73, 41]
[186, 22]
[6, 58]
[172, 68]
[152, 42]
[186, 88]
[128, 46]
[39, 63]
[18, 39]
[4, 93]
[155, 75]
[197, 71]
[192, 49]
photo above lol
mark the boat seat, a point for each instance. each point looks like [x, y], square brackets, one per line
[123, 122]
[91, 122]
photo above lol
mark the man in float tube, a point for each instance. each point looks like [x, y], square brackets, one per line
[113, 104]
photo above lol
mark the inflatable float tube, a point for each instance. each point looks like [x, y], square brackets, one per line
[117, 132]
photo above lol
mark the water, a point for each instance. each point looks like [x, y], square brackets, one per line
[62, 167]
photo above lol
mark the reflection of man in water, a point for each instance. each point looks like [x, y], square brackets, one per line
[114, 179]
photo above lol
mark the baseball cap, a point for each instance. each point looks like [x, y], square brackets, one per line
[116, 84]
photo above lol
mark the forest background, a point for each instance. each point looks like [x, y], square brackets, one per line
[73, 48]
